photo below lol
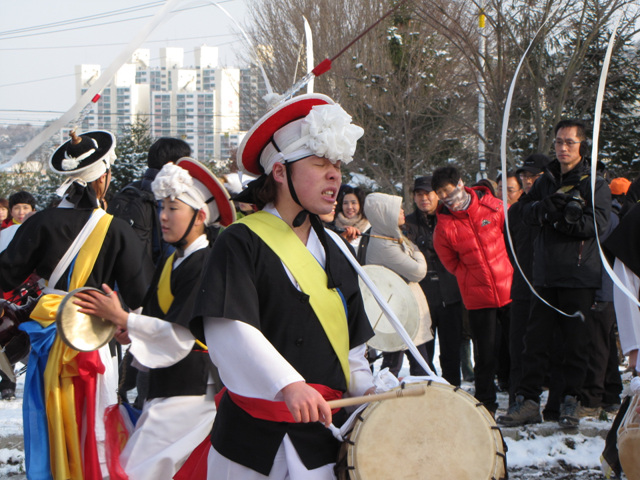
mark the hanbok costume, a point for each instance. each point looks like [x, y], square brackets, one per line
[76, 244]
[276, 311]
[623, 243]
[179, 411]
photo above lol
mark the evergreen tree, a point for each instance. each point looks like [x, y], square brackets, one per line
[132, 148]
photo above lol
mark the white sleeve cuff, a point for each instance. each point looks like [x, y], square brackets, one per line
[361, 376]
[156, 343]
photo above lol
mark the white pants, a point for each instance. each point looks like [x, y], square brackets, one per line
[168, 430]
[286, 466]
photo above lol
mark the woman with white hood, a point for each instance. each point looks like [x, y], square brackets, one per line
[397, 253]
[179, 410]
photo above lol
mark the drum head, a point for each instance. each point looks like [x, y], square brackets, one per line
[80, 331]
[402, 302]
[441, 434]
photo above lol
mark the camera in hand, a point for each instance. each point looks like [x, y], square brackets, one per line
[573, 209]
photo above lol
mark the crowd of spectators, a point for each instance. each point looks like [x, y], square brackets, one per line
[538, 302]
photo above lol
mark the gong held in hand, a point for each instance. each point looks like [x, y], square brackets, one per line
[81, 331]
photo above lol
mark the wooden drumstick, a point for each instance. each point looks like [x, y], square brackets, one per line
[414, 391]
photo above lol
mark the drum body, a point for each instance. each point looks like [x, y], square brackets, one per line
[629, 441]
[444, 433]
[402, 302]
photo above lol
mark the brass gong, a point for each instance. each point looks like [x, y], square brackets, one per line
[80, 331]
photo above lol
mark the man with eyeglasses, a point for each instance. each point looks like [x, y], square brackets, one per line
[566, 273]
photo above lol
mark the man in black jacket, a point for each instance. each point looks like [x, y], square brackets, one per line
[439, 286]
[522, 236]
[566, 273]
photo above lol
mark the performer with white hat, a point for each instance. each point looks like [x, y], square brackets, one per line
[279, 304]
[74, 245]
[179, 411]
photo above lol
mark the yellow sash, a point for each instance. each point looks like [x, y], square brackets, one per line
[66, 458]
[165, 296]
[311, 277]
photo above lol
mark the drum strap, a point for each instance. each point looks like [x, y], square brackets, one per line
[311, 277]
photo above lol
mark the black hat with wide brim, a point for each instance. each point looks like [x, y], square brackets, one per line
[100, 141]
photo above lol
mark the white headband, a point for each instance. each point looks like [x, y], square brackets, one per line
[326, 132]
[175, 182]
[88, 174]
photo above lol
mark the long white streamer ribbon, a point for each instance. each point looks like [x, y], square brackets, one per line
[104, 79]
[248, 40]
[503, 158]
[597, 118]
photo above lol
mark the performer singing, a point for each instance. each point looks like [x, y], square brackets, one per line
[180, 410]
[71, 246]
[279, 304]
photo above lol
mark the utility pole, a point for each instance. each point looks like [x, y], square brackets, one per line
[482, 172]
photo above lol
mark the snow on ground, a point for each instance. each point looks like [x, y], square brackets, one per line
[11, 446]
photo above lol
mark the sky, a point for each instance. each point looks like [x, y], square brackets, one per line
[38, 59]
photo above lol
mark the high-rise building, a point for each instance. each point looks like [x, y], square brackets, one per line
[199, 104]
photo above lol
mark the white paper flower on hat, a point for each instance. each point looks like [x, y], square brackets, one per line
[171, 182]
[331, 133]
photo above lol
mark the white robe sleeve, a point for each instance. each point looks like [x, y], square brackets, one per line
[249, 365]
[361, 375]
[627, 312]
[156, 343]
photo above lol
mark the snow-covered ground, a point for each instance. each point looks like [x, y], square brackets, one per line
[541, 451]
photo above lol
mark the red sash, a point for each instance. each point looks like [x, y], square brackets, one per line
[274, 411]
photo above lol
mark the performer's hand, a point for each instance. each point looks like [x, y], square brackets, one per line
[306, 404]
[122, 336]
[350, 233]
[105, 306]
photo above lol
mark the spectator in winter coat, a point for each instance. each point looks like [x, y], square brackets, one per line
[469, 239]
[386, 215]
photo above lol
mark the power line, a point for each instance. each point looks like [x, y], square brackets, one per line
[104, 23]
[75, 47]
[83, 19]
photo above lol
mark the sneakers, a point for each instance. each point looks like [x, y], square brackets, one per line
[521, 412]
[593, 412]
[569, 412]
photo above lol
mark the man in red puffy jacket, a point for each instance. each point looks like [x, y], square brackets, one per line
[469, 239]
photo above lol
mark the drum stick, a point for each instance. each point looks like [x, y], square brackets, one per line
[397, 240]
[414, 391]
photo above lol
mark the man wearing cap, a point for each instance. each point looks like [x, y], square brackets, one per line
[279, 304]
[74, 245]
[567, 271]
[439, 286]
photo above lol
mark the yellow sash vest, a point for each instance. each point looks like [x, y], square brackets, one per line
[66, 459]
[165, 296]
[311, 277]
